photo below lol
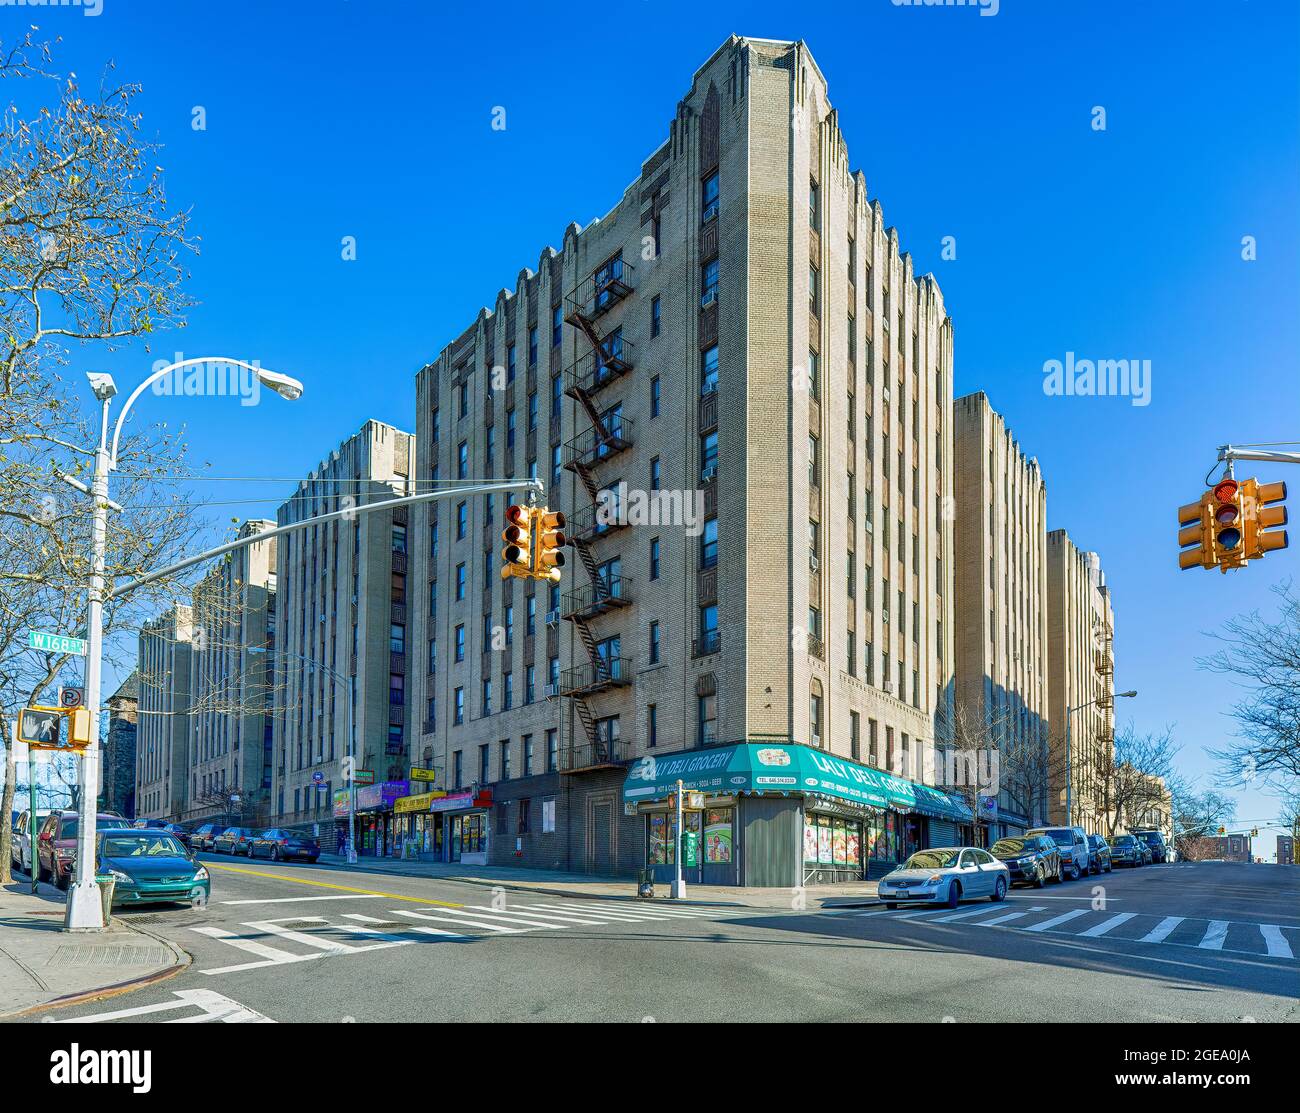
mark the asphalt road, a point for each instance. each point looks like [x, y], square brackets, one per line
[1204, 942]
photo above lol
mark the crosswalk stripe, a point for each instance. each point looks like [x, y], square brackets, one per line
[1162, 930]
[323, 942]
[964, 915]
[1064, 917]
[505, 912]
[925, 912]
[385, 935]
[501, 928]
[1008, 916]
[270, 956]
[1275, 940]
[647, 910]
[1215, 935]
[625, 917]
[509, 918]
[1107, 925]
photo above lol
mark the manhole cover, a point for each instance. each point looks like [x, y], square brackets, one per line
[108, 954]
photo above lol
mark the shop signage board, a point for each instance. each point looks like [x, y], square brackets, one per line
[771, 767]
[418, 774]
[341, 802]
[363, 777]
[417, 803]
[380, 796]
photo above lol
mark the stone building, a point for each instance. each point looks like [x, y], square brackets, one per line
[118, 792]
[739, 392]
[162, 711]
[1001, 595]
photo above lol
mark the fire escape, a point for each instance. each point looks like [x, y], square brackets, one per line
[608, 359]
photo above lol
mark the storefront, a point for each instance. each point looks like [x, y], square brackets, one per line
[375, 829]
[463, 817]
[419, 832]
[782, 815]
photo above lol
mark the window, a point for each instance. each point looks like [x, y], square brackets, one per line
[654, 558]
[708, 456]
[532, 411]
[556, 466]
[855, 732]
[709, 198]
[709, 544]
[651, 726]
[460, 581]
[532, 346]
[814, 374]
[709, 283]
[814, 463]
[399, 538]
[433, 656]
[557, 392]
[397, 638]
[510, 625]
[462, 460]
[656, 320]
[458, 698]
[557, 325]
[460, 642]
[484, 764]
[706, 720]
[505, 759]
[530, 615]
[510, 428]
[530, 684]
[654, 474]
[709, 371]
[708, 641]
[814, 206]
[462, 521]
[485, 707]
[552, 757]
[815, 719]
[510, 363]
[654, 396]
[437, 424]
[464, 399]
[525, 814]
[814, 292]
[654, 643]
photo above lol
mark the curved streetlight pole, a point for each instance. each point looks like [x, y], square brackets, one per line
[84, 912]
[1069, 757]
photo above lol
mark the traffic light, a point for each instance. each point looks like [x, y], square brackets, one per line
[1226, 523]
[550, 542]
[1260, 517]
[1194, 517]
[517, 554]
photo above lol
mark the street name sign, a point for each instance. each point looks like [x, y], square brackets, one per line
[56, 643]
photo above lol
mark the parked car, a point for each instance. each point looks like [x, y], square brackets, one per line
[233, 840]
[1073, 845]
[201, 837]
[1033, 860]
[278, 843]
[1144, 849]
[1124, 851]
[945, 875]
[148, 865]
[1098, 855]
[56, 844]
[179, 833]
[1155, 842]
[20, 841]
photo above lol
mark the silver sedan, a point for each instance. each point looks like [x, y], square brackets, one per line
[945, 875]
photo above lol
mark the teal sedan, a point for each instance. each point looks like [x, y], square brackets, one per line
[151, 866]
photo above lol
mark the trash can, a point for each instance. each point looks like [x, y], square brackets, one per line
[645, 884]
[105, 882]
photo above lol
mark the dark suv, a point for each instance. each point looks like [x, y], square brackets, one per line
[1155, 842]
[56, 845]
[1125, 851]
[1030, 859]
[1098, 855]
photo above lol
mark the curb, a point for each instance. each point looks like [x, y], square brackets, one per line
[181, 962]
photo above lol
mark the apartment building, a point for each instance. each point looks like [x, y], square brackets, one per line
[341, 652]
[739, 391]
[231, 686]
[118, 791]
[1001, 599]
[1081, 683]
[163, 670]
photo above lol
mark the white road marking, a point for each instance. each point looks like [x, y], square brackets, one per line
[1162, 930]
[964, 915]
[376, 933]
[1008, 916]
[453, 920]
[1275, 940]
[319, 941]
[1215, 935]
[271, 956]
[303, 900]
[1107, 925]
[214, 1006]
[505, 912]
[495, 915]
[1064, 917]
[624, 917]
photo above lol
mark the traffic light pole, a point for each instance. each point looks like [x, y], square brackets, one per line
[1228, 454]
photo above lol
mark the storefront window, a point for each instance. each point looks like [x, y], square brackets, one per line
[831, 842]
[717, 835]
[661, 840]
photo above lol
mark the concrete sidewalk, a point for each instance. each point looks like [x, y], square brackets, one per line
[558, 883]
[41, 966]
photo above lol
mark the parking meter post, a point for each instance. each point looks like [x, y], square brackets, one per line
[31, 815]
[679, 885]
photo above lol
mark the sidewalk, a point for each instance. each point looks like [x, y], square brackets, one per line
[558, 883]
[42, 966]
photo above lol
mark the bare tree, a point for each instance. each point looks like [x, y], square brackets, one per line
[1132, 780]
[90, 253]
[1263, 656]
[1197, 815]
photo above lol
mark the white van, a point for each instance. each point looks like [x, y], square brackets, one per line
[1073, 845]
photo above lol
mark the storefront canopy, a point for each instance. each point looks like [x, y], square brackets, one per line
[786, 769]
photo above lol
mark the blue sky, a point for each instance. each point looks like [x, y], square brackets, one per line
[336, 119]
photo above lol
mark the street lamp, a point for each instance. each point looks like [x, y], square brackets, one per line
[1069, 757]
[83, 910]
